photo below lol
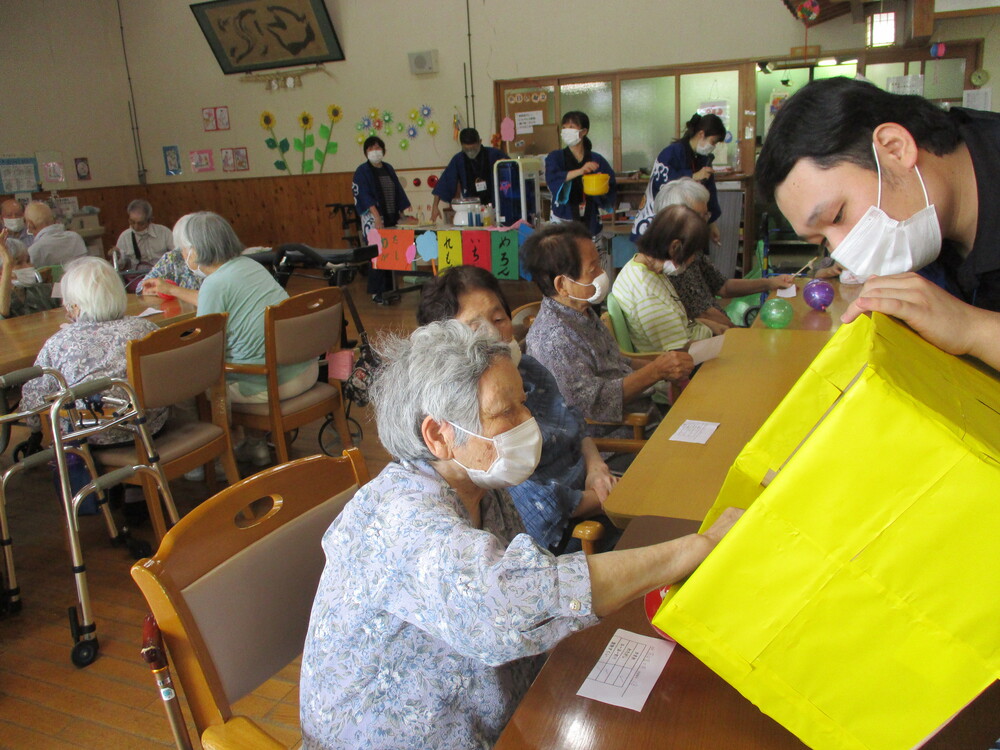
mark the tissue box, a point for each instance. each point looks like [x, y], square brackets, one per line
[857, 601]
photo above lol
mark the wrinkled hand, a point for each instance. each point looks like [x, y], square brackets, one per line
[600, 480]
[673, 365]
[783, 281]
[714, 233]
[945, 321]
[155, 286]
[722, 525]
[703, 174]
[590, 167]
[716, 327]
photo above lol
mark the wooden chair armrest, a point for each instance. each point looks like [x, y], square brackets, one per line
[636, 419]
[589, 533]
[618, 445]
[249, 369]
[239, 733]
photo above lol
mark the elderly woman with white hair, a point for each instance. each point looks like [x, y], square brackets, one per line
[21, 289]
[93, 344]
[434, 606]
[700, 285]
[171, 277]
[241, 287]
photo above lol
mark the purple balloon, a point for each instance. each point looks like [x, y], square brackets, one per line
[818, 294]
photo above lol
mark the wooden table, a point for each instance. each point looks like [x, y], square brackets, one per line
[807, 319]
[690, 706]
[24, 336]
[739, 390]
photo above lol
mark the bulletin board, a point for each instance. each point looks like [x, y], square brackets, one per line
[535, 132]
[19, 175]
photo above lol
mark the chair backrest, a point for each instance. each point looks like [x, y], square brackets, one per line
[523, 317]
[179, 361]
[232, 584]
[618, 325]
[304, 326]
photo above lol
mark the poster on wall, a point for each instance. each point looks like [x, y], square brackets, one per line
[201, 160]
[241, 159]
[19, 175]
[228, 162]
[82, 168]
[774, 104]
[172, 160]
[51, 165]
[222, 118]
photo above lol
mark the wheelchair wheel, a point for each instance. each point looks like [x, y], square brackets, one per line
[750, 316]
[329, 440]
[84, 653]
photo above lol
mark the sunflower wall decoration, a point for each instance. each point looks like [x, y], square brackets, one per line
[308, 162]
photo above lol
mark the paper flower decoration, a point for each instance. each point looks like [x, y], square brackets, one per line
[808, 10]
[335, 113]
[411, 132]
[379, 123]
[372, 132]
[373, 112]
[359, 126]
[432, 128]
[413, 114]
[366, 123]
[267, 120]
[420, 122]
[387, 116]
[400, 127]
[306, 121]
[425, 111]
[360, 139]
[404, 144]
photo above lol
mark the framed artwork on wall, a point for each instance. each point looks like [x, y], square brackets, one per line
[228, 164]
[208, 118]
[248, 35]
[222, 118]
[201, 160]
[172, 160]
[241, 159]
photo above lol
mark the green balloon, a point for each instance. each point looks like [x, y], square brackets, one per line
[776, 313]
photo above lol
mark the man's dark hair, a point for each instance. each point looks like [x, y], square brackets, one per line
[439, 297]
[674, 223]
[831, 121]
[552, 251]
[468, 136]
[373, 140]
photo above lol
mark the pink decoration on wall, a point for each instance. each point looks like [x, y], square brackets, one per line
[507, 130]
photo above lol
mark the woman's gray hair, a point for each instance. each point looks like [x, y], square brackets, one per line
[18, 251]
[140, 206]
[211, 238]
[436, 373]
[95, 287]
[181, 239]
[681, 192]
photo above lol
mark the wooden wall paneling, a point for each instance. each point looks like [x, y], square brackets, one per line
[263, 210]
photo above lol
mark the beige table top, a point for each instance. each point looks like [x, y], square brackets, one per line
[24, 336]
[739, 390]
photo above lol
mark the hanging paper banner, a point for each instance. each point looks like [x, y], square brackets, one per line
[505, 255]
[449, 249]
[394, 246]
[427, 245]
[476, 249]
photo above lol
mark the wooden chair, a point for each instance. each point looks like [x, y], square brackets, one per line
[299, 329]
[523, 317]
[174, 364]
[232, 586]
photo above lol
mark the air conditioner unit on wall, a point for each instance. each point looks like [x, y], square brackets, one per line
[422, 63]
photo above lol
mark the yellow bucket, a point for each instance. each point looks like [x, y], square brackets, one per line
[596, 184]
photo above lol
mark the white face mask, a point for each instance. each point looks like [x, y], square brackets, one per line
[570, 136]
[515, 352]
[375, 156]
[880, 245]
[195, 269]
[670, 269]
[518, 451]
[26, 277]
[705, 148]
[602, 285]
[14, 225]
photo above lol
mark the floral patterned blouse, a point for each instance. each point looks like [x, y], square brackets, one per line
[85, 350]
[425, 630]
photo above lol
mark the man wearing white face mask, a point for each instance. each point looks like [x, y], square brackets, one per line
[469, 174]
[433, 601]
[143, 241]
[654, 313]
[13, 220]
[569, 339]
[891, 184]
